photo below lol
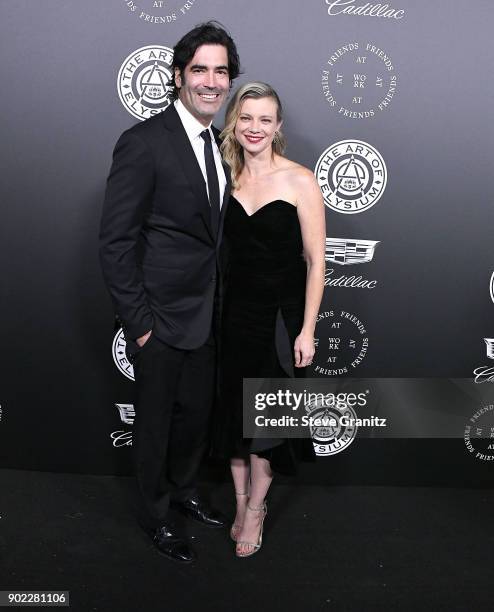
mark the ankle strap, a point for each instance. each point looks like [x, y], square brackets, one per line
[258, 509]
[237, 493]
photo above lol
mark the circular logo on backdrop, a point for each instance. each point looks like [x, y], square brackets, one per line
[119, 356]
[159, 11]
[341, 343]
[479, 433]
[143, 79]
[491, 286]
[359, 80]
[352, 176]
[334, 426]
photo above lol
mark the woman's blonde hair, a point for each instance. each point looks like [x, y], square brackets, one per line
[231, 149]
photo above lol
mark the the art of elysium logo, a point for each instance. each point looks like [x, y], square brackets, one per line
[143, 81]
[352, 176]
[119, 356]
[479, 434]
[341, 429]
[358, 80]
[341, 343]
[159, 11]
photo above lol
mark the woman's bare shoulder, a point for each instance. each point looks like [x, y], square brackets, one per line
[300, 178]
[296, 173]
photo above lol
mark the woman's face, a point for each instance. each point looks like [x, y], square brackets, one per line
[256, 124]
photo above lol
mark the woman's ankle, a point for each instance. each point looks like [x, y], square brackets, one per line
[256, 505]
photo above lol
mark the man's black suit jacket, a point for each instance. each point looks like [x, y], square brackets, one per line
[158, 251]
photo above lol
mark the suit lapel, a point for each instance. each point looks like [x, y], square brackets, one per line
[188, 161]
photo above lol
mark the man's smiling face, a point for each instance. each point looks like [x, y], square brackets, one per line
[205, 82]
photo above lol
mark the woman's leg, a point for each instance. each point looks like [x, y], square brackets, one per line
[261, 477]
[241, 475]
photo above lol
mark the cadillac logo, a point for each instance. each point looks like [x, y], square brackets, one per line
[143, 81]
[345, 251]
[490, 347]
[127, 413]
[347, 7]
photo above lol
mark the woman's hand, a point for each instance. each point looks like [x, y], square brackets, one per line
[304, 349]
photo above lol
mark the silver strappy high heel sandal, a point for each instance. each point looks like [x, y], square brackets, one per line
[255, 547]
[235, 528]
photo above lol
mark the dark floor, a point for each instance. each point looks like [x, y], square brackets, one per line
[325, 548]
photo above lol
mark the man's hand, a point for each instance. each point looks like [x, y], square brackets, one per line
[143, 339]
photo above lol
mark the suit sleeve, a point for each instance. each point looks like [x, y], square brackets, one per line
[128, 195]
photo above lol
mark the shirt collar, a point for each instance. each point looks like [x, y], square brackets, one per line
[190, 123]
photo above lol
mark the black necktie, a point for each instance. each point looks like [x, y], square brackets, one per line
[213, 184]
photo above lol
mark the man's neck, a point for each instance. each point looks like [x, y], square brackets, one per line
[204, 121]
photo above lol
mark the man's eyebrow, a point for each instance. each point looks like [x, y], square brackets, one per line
[203, 67]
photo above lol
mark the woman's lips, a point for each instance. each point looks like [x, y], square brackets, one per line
[254, 139]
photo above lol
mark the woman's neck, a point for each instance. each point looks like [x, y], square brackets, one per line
[257, 166]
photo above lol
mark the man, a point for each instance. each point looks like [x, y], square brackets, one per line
[160, 234]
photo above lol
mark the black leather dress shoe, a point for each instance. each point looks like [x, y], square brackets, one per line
[172, 546]
[201, 512]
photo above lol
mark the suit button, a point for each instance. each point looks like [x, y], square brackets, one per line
[213, 278]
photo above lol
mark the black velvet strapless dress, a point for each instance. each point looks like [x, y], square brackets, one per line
[263, 311]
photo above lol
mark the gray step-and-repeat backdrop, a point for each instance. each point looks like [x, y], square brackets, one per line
[389, 104]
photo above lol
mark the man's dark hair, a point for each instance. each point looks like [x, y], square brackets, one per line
[209, 33]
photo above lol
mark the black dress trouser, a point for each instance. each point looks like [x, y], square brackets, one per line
[174, 397]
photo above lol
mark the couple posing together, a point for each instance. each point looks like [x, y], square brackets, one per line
[209, 243]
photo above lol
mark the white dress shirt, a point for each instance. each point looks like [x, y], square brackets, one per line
[193, 129]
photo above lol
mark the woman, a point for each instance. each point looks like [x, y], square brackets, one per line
[274, 236]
